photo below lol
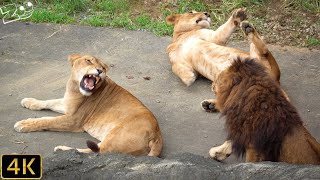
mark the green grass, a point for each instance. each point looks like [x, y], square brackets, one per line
[94, 20]
[126, 14]
[312, 6]
[42, 15]
[312, 41]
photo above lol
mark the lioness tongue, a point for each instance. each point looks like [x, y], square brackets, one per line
[89, 83]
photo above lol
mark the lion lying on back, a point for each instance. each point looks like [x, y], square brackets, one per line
[95, 104]
[260, 121]
[196, 49]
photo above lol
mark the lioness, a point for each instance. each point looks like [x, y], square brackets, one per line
[195, 49]
[260, 121]
[95, 104]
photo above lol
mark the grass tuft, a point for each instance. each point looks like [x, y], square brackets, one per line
[43, 15]
[312, 41]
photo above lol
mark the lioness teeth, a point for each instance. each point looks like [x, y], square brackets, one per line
[97, 80]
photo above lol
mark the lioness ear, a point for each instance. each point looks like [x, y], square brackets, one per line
[73, 57]
[172, 19]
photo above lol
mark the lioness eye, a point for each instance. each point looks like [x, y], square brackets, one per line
[88, 61]
[190, 12]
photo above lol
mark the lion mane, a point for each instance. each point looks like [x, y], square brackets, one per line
[258, 114]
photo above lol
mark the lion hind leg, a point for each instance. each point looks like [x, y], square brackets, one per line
[259, 50]
[186, 74]
[56, 105]
[221, 152]
[155, 147]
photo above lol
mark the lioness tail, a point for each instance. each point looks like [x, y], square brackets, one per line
[93, 146]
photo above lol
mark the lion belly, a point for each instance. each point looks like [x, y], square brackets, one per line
[98, 129]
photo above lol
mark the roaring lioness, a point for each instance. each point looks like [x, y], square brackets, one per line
[95, 104]
[196, 49]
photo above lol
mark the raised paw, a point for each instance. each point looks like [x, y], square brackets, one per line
[239, 15]
[247, 28]
[209, 106]
[24, 125]
[62, 148]
[30, 103]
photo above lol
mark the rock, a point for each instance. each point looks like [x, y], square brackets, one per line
[73, 165]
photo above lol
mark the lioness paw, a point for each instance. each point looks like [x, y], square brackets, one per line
[62, 148]
[23, 126]
[30, 103]
[239, 15]
[208, 106]
[247, 28]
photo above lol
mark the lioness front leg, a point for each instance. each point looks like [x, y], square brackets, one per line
[209, 105]
[221, 152]
[223, 33]
[59, 123]
[56, 105]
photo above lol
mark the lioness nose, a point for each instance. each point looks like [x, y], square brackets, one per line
[99, 71]
[207, 14]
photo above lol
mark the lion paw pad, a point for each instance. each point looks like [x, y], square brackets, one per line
[239, 15]
[208, 106]
[247, 28]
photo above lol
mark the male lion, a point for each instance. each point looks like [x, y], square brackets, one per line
[95, 104]
[195, 49]
[260, 121]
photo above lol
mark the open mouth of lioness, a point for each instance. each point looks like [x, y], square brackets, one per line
[89, 82]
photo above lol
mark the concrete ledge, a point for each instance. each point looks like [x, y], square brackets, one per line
[72, 165]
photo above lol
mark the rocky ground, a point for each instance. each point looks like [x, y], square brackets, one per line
[185, 166]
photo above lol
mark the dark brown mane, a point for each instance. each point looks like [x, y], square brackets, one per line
[258, 115]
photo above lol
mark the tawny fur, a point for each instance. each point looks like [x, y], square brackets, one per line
[195, 49]
[108, 112]
[260, 121]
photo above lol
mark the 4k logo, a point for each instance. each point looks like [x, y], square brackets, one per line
[21, 166]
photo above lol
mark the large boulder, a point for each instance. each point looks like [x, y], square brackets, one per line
[73, 165]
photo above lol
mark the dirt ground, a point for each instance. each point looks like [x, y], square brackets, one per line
[33, 63]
